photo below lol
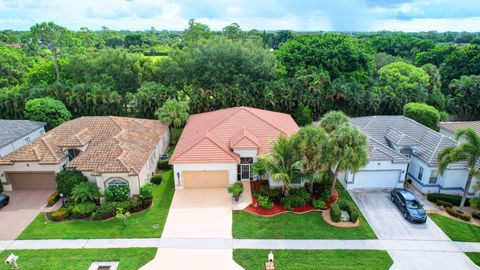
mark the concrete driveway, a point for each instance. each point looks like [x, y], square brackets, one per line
[24, 206]
[387, 221]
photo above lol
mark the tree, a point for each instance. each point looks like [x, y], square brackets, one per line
[469, 152]
[382, 59]
[48, 110]
[303, 115]
[435, 56]
[14, 64]
[462, 62]
[435, 96]
[54, 37]
[173, 112]
[282, 162]
[149, 97]
[232, 31]
[196, 31]
[465, 99]
[333, 120]
[68, 179]
[400, 44]
[423, 114]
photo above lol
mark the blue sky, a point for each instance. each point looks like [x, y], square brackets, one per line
[308, 15]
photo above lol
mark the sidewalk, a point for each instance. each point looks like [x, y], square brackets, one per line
[212, 244]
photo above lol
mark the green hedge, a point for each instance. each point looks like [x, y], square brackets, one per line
[163, 165]
[443, 203]
[335, 212]
[82, 210]
[422, 113]
[274, 194]
[453, 199]
[156, 179]
[350, 208]
[459, 215]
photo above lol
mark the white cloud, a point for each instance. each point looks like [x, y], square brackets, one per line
[441, 25]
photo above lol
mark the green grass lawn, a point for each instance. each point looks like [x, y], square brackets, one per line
[294, 226]
[474, 256]
[79, 259]
[251, 259]
[457, 230]
[140, 225]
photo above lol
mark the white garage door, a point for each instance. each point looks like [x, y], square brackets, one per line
[376, 179]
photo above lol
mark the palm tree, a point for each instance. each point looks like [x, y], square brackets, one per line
[173, 112]
[332, 120]
[469, 151]
[282, 162]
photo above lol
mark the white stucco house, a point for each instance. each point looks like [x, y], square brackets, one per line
[107, 150]
[216, 149]
[400, 149]
[16, 133]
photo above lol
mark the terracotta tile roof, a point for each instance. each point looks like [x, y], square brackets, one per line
[454, 126]
[113, 144]
[209, 137]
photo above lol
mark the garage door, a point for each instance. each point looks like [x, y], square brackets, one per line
[205, 179]
[376, 179]
[32, 180]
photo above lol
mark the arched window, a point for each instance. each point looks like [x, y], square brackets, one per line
[116, 183]
[73, 153]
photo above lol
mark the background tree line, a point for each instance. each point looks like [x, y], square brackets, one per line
[129, 73]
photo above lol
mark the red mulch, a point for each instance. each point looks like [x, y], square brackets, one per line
[278, 208]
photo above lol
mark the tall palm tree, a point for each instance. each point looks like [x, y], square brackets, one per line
[469, 152]
[282, 162]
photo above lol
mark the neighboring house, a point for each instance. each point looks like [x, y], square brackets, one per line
[401, 148]
[16, 133]
[450, 128]
[108, 150]
[217, 148]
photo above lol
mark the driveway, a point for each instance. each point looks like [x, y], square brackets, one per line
[388, 223]
[24, 206]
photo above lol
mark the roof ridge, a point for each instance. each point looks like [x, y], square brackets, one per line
[435, 150]
[173, 157]
[213, 140]
[49, 148]
[267, 122]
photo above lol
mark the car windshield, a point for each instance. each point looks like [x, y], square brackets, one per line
[413, 204]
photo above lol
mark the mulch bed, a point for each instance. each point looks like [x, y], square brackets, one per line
[277, 209]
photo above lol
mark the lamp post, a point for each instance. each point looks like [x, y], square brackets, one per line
[63, 201]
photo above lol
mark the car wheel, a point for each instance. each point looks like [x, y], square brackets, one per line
[405, 215]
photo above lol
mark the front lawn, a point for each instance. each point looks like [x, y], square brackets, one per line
[474, 256]
[79, 259]
[297, 226]
[457, 230]
[252, 259]
[147, 224]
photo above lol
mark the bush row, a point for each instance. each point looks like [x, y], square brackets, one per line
[264, 202]
[453, 199]
[443, 203]
[476, 215]
[335, 212]
[163, 165]
[459, 215]
[53, 199]
[344, 205]
[273, 194]
[298, 197]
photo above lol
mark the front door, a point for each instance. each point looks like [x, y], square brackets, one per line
[244, 168]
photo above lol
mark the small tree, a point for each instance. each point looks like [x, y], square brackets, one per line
[469, 151]
[332, 120]
[174, 113]
[85, 192]
[303, 115]
[422, 113]
[67, 180]
[48, 110]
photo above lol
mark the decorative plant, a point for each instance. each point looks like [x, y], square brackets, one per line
[236, 190]
[122, 216]
[85, 192]
[146, 191]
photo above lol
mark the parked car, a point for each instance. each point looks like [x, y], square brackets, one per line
[4, 199]
[412, 210]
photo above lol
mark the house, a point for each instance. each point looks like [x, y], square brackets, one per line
[400, 148]
[217, 148]
[107, 150]
[16, 133]
[450, 128]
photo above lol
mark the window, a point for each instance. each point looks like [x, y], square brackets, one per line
[72, 153]
[420, 173]
[433, 177]
[26, 140]
[116, 183]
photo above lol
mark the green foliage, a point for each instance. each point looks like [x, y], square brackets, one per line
[236, 190]
[119, 193]
[156, 179]
[122, 216]
[82, 210]
[59, 215]
[272, 194]
[382, 59]
[435, 56]
[443, 203]
[85, 192]
[351, 209]
[162, 165]
[173, 112]
[335, 212]
[401, 44]
[423, 114]
[453, 199]
[14, 65]
[104, 211]
[303, 116]
[108, 194]
[333, 120]
[295, 200]
[264, 202]
[455, 213]
[146, 191]
[1, 188]
[67, 180]
[464, 61]
[48, 110]
[319, 204]
[465, 97]
[149, 97]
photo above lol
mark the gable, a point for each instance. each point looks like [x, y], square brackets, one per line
[206, 151]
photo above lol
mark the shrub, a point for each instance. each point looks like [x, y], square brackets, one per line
[459, 215]
[302, 192]
[146, 191]
[60, 214]
[156, 179]
[53, 199]
[162, 165]
[236, 190]
[104, 211]
[82, 210]
[294, 200]
[319, 204]
[120, 193]
[443, 203]
[273, 194]
[175, 134]
[85, 192]
[108, 195]
[350, 208]
[476, 215]
[67, 180]
[303, 115]
[335, 212]
[422, 113]
[264, 202]
[134, 204]
[453, 199]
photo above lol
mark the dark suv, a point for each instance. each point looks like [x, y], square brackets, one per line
[4, 199]
[412, 210]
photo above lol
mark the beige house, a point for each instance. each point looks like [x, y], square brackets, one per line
[107, 150]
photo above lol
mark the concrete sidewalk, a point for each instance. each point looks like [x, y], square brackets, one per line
[216, 243]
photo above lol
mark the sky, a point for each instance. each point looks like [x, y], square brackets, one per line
[299, 15]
